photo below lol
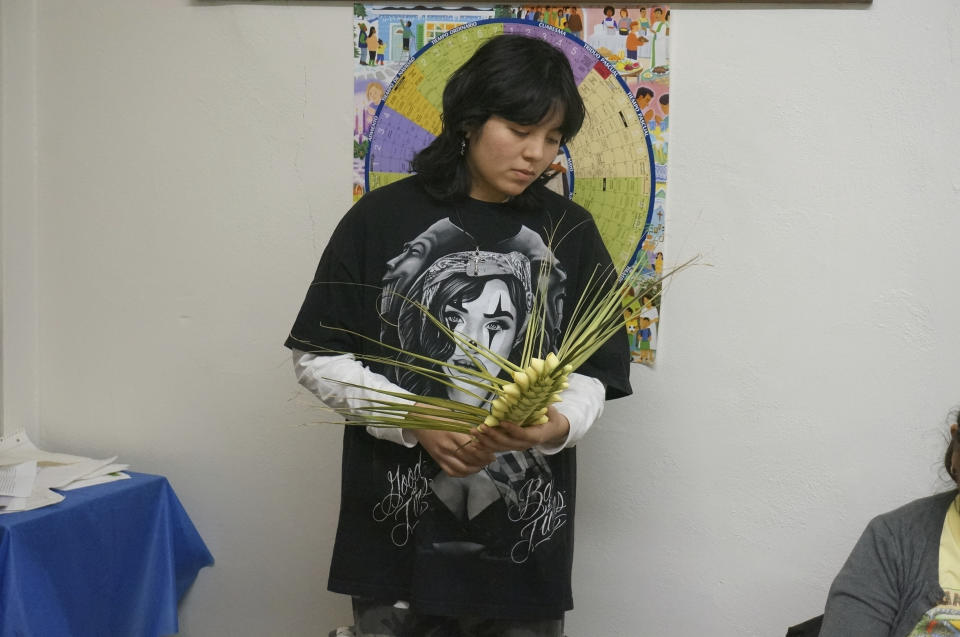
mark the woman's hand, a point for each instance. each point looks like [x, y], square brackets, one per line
[508, 436]
[458, 454]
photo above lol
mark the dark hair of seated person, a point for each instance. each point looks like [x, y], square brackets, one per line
[950, 463]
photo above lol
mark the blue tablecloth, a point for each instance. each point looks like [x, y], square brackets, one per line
[111, 560]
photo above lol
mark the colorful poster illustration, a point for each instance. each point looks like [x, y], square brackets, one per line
[616, 167]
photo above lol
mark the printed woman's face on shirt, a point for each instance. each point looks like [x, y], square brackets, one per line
[490, 320]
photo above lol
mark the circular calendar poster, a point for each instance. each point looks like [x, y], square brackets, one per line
[607, 168]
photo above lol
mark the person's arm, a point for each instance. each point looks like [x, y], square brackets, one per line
[316, 371]
[864, 599]
[451, 450]
[582, 404]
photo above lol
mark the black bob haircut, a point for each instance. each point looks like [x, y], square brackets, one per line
[520, 79]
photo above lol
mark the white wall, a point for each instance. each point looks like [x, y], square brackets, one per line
[190, 166]
[18, 217]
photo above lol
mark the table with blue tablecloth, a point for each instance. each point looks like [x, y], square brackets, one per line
[109, 560]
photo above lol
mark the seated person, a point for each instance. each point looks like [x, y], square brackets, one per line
[903, 576]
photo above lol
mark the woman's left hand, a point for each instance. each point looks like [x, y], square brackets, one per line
[508, 436]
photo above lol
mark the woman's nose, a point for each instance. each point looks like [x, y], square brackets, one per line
[469, 335]
[533, 148]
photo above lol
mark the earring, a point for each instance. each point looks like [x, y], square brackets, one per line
[463, 146]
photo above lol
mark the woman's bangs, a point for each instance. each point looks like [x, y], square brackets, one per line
[528, 104]
[470, 290]
[531, 103]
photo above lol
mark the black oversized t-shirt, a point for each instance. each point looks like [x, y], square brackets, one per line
[499, 543]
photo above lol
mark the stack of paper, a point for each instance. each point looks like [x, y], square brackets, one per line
[28, 474]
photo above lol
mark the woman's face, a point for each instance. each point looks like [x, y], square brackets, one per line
[504, 157]
[490, 320]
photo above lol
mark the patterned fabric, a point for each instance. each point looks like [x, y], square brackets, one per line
[378, 619]
[514, 469]
[940, 621]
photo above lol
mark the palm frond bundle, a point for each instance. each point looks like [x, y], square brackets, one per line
[520, 392]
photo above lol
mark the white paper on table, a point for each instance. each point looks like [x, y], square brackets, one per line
[89, 482]
[106, 470]
[106, 473]
[17, 480]
[58, 476]
[50, 471]
[39, 497]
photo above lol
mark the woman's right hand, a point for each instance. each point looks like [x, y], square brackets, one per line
[458, 454]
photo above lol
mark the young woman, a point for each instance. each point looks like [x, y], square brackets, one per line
[443, 533]
[903, 576]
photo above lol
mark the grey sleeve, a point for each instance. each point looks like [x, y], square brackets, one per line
[865, 598]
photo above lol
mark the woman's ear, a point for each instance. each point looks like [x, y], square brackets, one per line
[469, 129]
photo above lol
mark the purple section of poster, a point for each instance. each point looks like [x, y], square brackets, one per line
[581, 59]
[395, 142]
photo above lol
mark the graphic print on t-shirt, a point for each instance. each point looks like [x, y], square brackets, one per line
[484, 293]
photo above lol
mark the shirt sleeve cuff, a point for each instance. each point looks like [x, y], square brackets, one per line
[315, 372]
[582, 404]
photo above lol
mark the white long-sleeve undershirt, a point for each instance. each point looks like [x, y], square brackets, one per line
[325, 376]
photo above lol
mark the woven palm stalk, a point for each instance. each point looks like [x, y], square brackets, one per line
[530, 386]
